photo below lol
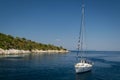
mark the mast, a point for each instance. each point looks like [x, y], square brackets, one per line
[81, 33]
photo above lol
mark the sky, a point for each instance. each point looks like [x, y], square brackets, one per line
[57, 22]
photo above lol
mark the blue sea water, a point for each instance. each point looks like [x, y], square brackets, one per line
[59, 66]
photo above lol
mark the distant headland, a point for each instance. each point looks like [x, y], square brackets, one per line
[17, 45]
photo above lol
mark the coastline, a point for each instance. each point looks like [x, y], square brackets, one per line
[16, 51]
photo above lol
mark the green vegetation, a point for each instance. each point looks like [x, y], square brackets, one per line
[10, 42]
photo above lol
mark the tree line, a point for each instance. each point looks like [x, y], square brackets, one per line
[10, 42]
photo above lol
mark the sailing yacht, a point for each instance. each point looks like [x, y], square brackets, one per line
[83, 65]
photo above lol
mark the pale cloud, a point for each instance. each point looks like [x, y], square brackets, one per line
[58, 40]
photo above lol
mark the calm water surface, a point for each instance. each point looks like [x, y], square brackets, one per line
[59, 66]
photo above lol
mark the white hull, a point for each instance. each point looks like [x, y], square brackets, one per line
[83, 67]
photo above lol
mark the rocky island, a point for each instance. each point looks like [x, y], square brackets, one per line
[16, 45]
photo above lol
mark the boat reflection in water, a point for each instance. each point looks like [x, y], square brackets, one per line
[84, 76]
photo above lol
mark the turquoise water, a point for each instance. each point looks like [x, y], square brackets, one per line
[59, 66]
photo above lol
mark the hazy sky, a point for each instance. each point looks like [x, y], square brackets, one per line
[57, 22]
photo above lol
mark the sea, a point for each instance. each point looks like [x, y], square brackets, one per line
[59, 66]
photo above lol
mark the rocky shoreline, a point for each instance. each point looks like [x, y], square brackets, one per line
[15, 51]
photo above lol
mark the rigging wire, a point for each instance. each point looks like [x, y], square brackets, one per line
[81, 33]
